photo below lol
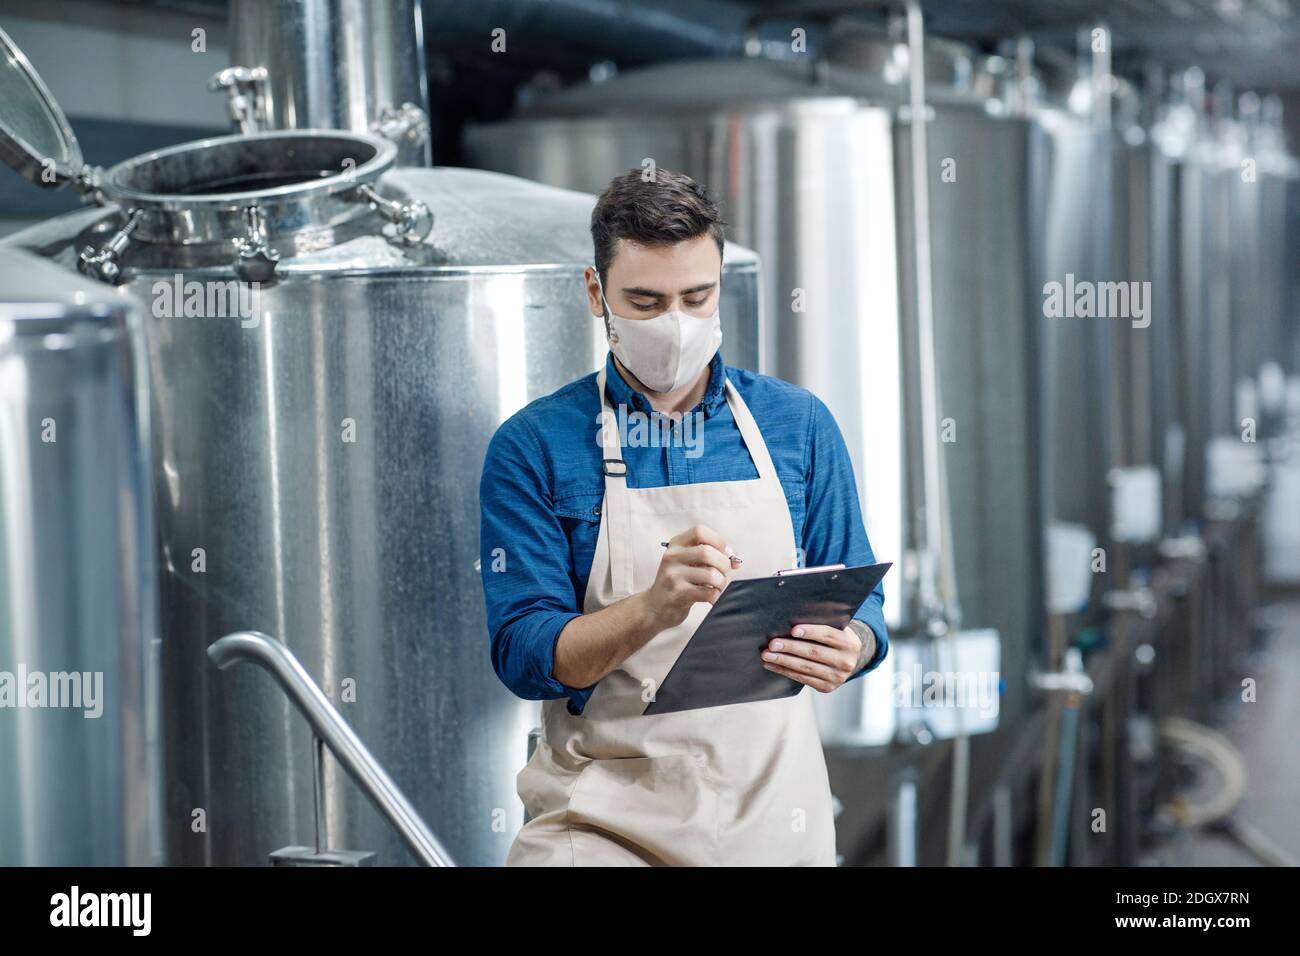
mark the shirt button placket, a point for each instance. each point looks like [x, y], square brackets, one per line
[679, 468]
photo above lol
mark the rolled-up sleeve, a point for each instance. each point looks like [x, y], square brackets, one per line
[833, 530]
[527, 579]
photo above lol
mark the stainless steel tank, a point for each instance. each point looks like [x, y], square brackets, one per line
[1238, 279]
[1247, 261]
[330, 64]
[1163, 157]
[326, 375]
[1072, 243]
[79, 746]
[1277, 176]
[1217, 162]
[1282, 207]
[812, 168]
[1147, 474]
[1196, 217]
[1202, 295]
[986, 314]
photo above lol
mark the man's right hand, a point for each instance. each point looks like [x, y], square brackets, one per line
[695, 567]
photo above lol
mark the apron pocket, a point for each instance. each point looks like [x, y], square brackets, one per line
[663, 810]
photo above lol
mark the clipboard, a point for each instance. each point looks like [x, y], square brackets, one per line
[720, 664]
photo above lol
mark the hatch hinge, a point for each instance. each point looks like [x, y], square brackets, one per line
[246, 89]
[406, 122]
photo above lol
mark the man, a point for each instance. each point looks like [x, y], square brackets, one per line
[739, 473]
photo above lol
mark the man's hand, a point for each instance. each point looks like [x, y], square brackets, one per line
[821, 657]
[696, 566]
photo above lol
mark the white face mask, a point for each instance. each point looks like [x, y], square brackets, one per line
[666, 352]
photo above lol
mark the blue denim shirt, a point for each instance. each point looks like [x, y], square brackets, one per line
[542, 486]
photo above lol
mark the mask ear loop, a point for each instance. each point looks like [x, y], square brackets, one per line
[610, 334]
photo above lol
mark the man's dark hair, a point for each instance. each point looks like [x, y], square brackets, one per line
[656, 208]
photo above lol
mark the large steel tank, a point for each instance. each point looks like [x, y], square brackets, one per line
[1282, 209]
[1220, 249]
[1276, 174]
[1072, 246]
[1146, 483]
[79, 746]
[331, 344]
[1203, 234]
[812, 165]
[330, 64]
[986, 330]
[1238, 280]
[1173, 340]
[1249, 252]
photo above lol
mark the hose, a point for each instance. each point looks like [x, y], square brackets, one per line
[1217, 751]
[1064, 780]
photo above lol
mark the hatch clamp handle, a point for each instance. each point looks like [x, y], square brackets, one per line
[105, 263]
[413, 220]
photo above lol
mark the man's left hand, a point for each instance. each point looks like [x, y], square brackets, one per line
[817, 655]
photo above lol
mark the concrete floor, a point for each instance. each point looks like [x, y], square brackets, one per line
[1267, 732]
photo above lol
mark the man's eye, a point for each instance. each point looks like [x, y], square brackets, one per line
[645, 308]
[695, 305]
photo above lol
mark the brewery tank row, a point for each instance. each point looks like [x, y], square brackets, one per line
[1061, 430]
[315, 457]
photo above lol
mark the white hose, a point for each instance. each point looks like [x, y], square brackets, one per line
[1216, 750]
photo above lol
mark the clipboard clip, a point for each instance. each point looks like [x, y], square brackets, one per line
[790, 572]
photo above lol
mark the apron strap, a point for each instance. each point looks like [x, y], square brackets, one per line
[750, 433]
[617, 508]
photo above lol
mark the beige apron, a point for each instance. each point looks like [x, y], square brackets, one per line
[742, 784]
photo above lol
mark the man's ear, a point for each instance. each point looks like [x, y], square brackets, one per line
[594, 305]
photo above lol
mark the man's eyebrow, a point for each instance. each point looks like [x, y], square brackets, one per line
[652, 294]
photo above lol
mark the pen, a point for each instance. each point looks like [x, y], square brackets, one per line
[735, 560]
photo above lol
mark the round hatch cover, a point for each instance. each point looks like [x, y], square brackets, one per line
[35, 138]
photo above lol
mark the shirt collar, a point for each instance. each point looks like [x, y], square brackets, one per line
[620, 393]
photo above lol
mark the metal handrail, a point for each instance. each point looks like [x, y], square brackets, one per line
[331, 729]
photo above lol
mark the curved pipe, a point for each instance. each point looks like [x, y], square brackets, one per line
[330, 727]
